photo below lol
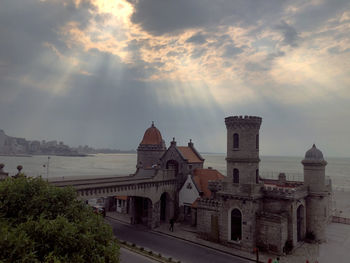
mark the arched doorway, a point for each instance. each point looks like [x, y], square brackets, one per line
[236, 225]
[173, 165]
[300, 223]
[141, 210]
[164, 207]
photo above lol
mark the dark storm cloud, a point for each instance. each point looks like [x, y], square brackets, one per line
[313, 15]
[171, 17]
[26, 25]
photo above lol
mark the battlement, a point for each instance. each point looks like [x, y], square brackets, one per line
[285, 192]
[246, 121]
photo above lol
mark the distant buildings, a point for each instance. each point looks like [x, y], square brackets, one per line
[20, 146]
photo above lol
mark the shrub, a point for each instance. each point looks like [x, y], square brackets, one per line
[43, 223]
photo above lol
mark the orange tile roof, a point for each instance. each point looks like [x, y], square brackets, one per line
[152, 136]
[201, 178]
[189, 154]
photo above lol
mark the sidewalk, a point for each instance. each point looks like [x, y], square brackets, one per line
[336, 247]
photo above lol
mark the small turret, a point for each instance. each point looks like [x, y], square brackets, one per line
[318, 201]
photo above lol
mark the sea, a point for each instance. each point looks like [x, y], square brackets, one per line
[56, 168]
[106, 165]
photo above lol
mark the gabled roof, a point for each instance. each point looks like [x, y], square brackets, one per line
[190, 154]
[201, 177]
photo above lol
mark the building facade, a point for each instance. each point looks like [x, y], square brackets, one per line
[248, 211]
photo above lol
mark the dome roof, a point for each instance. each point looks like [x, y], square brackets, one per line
[314, 154]
[152, 136]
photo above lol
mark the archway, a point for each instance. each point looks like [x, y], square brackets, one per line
[300, 223]
[174, 165]
[165, 207]
[236, 225]
[141, 210]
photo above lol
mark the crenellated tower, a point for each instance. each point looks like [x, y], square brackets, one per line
[243, 152]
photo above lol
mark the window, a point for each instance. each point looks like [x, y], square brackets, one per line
[257, 142]
[235, 176]
[235, 141]
[257, 176]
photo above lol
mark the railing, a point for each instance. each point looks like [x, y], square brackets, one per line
[297, 177]
[341, 220]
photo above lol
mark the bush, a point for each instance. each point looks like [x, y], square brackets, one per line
[43, 223]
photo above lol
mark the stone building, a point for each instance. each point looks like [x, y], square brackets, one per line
[248, 211]
[241, 210]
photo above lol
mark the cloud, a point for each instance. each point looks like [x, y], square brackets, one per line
[168, 17]
[198, 39]
[290, 35]
[97, 72]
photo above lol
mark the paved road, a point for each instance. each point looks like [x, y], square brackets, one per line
[169, 246]
[127, 256]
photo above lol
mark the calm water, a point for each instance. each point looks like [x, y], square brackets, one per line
[123, 164]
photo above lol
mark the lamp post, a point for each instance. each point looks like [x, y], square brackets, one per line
[47, 168]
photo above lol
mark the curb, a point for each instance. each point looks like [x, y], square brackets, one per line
[190, 241]
[206, 246]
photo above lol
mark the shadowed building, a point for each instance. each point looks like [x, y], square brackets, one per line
[241, 210]
[274, 215]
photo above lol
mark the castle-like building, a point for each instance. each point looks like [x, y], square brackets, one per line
[242, 209]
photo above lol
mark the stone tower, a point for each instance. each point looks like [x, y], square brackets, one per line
[243, 153]
[151, 148]
[317, 203]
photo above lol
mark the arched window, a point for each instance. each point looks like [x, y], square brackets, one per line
[236, 225]
[235, 141]
[257, 142]
[235, 176]
[257, 176]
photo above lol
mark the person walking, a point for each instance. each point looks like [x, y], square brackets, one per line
[171, 227]
[277, 260]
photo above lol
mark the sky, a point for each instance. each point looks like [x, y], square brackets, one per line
[98, 72]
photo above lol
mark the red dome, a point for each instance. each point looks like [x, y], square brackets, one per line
[152, 136]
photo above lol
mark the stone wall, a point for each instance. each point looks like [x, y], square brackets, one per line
[249, 209]
[272, 232]
[148, 157]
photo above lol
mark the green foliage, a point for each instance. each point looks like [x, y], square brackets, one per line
[43, 223]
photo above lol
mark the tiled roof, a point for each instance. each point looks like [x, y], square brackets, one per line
[201, 178]
[189, 154]
[152, 136]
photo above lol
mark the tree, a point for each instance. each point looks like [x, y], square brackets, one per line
[43, 223]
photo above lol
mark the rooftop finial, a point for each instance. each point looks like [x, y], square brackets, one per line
[152, 123]
[173, 139]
